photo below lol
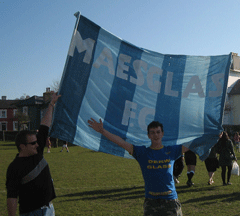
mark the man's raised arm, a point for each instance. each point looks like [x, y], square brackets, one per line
[112, 137]
[12, 206]
[47, 119]
[184, 149]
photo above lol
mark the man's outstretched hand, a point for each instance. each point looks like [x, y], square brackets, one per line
[95, 125]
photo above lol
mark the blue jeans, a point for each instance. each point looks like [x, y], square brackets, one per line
[43, 211]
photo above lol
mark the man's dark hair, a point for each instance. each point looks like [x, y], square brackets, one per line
[155, 124]
[21, 138]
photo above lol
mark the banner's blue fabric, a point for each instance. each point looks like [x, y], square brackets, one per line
[128, 87]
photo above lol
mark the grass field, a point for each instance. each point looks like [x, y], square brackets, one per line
[93, 183]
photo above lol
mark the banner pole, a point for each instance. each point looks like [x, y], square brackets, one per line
[77, 15]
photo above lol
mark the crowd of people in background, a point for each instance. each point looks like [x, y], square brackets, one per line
[222, 154]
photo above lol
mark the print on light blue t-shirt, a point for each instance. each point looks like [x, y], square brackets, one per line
[157, 170]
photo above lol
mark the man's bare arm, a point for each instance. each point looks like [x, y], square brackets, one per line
[47, 119]
[12, 206]
[184, 149]
[112, 137]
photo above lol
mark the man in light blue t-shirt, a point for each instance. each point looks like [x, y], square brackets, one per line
[156, 163]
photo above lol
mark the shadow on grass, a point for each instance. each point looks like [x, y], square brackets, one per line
[116, 194]
[231, 197]
[138, 192]
[7, 146]
[11, 144]
[186, 189]
[65, 151]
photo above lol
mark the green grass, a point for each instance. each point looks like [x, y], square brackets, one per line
[93, 183]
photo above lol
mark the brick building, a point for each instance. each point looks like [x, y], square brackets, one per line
[23, 114]
[8, 119]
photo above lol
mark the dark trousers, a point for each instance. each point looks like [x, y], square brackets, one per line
[178, 167]
[224, 169]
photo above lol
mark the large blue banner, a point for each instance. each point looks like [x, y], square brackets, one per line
[127, 87]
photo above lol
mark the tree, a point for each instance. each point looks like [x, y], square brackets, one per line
[55, 86]
[25, 96]
[22, 115]
[23, 119]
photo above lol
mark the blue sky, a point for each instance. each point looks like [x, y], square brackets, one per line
[35, 35]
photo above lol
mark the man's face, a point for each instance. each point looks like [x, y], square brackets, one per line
[155, 134]
[29, 148]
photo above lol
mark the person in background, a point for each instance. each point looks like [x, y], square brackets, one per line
[65, 146]
[156, 163]
[226, 157]
[178, 168]
[48, 144]
[212, 164]
[191, 162]
[236, 140]
[28, 176]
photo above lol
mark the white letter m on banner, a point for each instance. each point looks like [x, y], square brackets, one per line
[82, 45]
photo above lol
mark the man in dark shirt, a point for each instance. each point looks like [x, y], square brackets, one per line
[28, 176]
